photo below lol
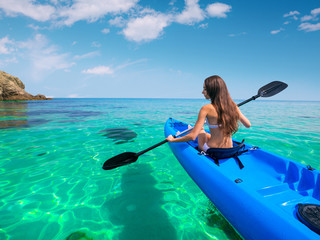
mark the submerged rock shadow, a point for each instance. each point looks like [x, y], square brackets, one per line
[119, 135]
[69, 113]
[18, 111]
[78, 236]
[138, 208]
[316, 117]
[22, 123]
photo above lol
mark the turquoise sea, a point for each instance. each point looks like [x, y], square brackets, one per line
[52, 185]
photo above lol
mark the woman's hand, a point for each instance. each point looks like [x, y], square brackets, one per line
[170, 138]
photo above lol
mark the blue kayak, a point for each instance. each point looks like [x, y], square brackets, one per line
[271, 197]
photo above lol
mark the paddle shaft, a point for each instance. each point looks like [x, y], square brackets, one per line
[160, 143]
[150, 148]
[249, 100]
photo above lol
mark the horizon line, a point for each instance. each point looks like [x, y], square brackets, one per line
[159, 98]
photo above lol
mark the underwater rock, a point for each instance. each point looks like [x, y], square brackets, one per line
[84, 113]
[70, 113]
[12, 88]
[22, 123]
[318, 117]
[120, 135]
[16, 115]
[78, 236]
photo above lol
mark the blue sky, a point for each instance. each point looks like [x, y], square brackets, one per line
[161, 49]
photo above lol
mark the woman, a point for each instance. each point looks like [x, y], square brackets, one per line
[221, 115]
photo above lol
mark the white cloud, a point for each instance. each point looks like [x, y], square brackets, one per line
[204, 25]
[218, 10]
[146, 28]
[36, 28]
[100, 70]
[96, 44]
[172, 2]
[277, 31]
[131, 63]
[140, 24]
[87, 55]
[118, 22]
[7, 61]
[315, 11]
[237, 34]
[44, 57]
[11, 60]
[304, 26]
[291, 13]
[93, 10]
[66, 12]
[309, 27]
[191, 14]
[306, 18]
[39, 12]
[6, 45]
[105, 31]
[313, 15]
[108, 70]
[150, 24]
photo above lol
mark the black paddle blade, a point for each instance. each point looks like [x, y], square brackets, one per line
[272, 89]
[120, 160]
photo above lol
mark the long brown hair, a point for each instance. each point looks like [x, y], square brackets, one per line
[226, 108]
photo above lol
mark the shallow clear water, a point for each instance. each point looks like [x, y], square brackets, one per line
[52, 185]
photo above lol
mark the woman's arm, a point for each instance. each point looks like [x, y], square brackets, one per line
[245, 121]
[196, 129]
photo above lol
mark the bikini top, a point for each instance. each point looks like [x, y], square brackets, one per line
[212, 126]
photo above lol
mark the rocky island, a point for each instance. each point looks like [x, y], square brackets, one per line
[12, 88]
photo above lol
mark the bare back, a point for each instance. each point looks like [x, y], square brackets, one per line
[217, 139]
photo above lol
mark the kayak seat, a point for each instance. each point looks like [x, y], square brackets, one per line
[309, 215]
[222, 153]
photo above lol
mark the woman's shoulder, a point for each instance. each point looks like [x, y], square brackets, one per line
[208, 108]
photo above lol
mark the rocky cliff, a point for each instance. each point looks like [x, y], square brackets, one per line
[12, 88]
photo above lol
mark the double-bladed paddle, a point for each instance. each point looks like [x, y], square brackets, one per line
[126, 158]
[268, 90]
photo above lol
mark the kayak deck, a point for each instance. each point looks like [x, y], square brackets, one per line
[273, 184]
[283, 183]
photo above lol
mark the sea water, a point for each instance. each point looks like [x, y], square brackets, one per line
[52, 185]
